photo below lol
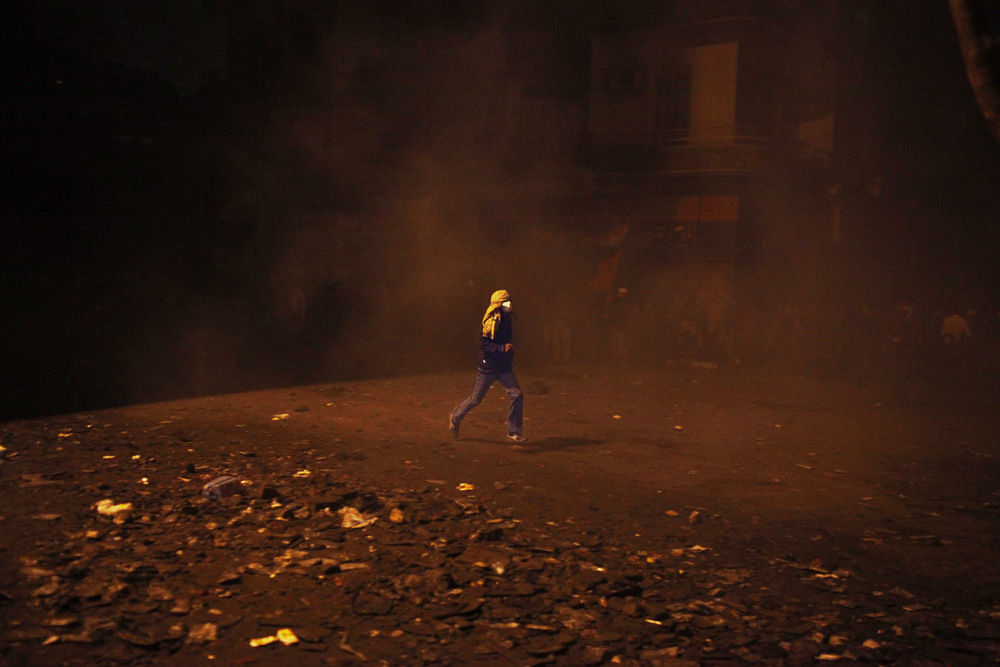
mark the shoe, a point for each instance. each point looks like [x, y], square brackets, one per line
[516, 437]
[452, 426]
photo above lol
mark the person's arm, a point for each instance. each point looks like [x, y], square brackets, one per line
[488, 346]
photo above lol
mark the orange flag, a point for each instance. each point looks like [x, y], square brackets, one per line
[605, 277]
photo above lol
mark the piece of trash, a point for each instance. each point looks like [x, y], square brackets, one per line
[465, 487]
[816, 565]
[303, 473]
[203, 634]
[279, 417]
[221, 487]
[263, 641]
[229, 578]
[107, 507]
[350, 567]
[286, 636]
[352, 518]
[344, 646]
[46, 590]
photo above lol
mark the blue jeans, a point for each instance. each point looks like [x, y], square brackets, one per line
[515, 415]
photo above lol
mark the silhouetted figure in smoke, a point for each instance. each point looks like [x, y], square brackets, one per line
[954, 329]
[495, 363]
[557, 337]
[618, 309]
[957, 348]
[900, 331]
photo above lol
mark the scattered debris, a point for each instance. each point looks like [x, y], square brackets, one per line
[317, 560]
[221, 487]
[119, 513]
[352, 518]
[204, 633]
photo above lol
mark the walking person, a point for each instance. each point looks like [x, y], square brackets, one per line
[495, 364]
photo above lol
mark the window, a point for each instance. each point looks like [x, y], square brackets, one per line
[673, 101]
[626, 80]
[713, 92]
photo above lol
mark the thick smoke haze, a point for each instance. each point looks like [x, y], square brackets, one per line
[332, 190]
[370, 233]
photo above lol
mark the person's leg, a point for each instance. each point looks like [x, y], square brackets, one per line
[479, 389]
[515, 415]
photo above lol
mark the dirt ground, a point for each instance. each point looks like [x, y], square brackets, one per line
[673, 516]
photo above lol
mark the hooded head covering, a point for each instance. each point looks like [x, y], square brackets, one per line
[492, 315]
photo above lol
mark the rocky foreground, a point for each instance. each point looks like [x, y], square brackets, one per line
[119, 549]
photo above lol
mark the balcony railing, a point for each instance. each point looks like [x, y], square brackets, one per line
[702, 151]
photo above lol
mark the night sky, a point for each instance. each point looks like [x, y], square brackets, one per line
[151, 148]
[180, 41]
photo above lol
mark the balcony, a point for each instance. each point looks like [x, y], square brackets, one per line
[712, 10]
[695, 152]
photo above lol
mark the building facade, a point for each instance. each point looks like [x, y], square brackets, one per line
[707, 156]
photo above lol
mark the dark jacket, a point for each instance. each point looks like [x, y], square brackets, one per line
[492, 357]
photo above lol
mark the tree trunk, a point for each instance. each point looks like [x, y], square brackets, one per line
[981, 71]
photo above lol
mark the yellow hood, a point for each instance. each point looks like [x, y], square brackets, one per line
[492, 315]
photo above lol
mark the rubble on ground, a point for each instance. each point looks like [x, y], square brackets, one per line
[296, 555]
